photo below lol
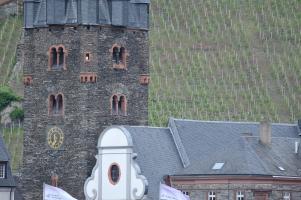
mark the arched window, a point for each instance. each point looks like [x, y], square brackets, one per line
[57, 57]
[56, 104]
[118, 105]
[119, 56]
[61, 56]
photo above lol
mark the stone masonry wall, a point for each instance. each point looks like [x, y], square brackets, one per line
[87, 106]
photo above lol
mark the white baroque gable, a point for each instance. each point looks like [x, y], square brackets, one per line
[115, 148]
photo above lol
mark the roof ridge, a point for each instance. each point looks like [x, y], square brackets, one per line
[251, 150]
[178, 142]
[232, 122]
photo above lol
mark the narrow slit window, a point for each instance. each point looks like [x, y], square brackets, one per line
[59, 104]
[87, 57]
[123, 105]
[122, 55]
[61, 56]
[52, 104]
[114, 105]
[116, 55]
[119, 105]
[53, 58]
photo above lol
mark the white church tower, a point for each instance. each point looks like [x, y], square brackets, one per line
[116, 175]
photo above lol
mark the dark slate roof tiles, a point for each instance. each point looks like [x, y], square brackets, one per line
[125, 13]
[236, 144]
[4, 157]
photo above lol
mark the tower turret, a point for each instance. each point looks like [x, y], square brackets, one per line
[88, 65]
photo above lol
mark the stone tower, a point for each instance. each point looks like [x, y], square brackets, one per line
[86, 65]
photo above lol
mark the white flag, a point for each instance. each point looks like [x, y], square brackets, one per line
[169, 193]
[55, 193]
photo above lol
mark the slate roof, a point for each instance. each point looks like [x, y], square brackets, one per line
[189, 147]
[4, 157]
[125, 13]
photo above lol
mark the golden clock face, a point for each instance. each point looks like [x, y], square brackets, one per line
[55, 137]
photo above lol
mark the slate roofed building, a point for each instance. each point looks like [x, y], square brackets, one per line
[207, 160]
[7, 183]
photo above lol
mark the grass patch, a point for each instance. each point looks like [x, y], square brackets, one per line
[13, 138]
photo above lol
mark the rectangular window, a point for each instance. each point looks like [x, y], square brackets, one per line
[286, 196]
[240, 195]
[2, 170]
[211, 195]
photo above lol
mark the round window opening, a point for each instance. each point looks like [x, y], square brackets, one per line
[114, 174]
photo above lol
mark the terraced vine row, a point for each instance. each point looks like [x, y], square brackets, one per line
[10, 31]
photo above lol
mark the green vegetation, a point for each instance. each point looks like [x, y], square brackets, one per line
[7, 96]
[17, 114]
[10, 32]
[225, 60]
[13, 138]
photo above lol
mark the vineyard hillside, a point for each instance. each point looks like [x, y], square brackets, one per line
[225, 60]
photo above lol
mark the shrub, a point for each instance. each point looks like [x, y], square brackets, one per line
[6, 97]
[17, 114]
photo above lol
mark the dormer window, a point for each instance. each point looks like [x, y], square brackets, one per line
[57, 58]
[218, 166]
[119, 56]
[2, 170]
